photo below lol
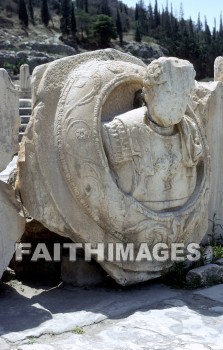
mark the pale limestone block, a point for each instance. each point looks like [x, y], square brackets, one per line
[25, 79]
[12, 222]
[207, 102]
[218, 69]
[95, 169]
[9, 119]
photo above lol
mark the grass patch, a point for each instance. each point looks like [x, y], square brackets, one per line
[78, 330]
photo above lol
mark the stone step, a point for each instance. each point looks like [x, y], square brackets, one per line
[25, 102]
[25, 119]
[25, 94]
[21, 136]
[22, 127]
[25, 111]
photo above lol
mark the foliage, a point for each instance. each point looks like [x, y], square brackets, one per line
[45, 15]
[82, 5]
[183, 38]
[218, 252]
[84, 21]
[73, 21]
[65, 20]
[104, 30]
[175, 276]
[78, 330]
[138, 37]
[31, 13]
[104, 8]
[215, 238]
[23, 15]
[15, 68]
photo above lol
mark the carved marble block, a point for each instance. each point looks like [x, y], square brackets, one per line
[207, 102]
[12, 223]
[9, 119]
[99, 165]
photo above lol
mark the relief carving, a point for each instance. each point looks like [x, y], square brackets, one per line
[130, 174]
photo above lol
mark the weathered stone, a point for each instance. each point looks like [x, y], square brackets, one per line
[9, 120]
[25, 81]
[207, 103]
[219, 262]
[81, 273]
[111, 173]
[146, 52]
[207, 254]
[205, 275]
[8, 275]
[218, 69]
[12, 223]
[37, 60]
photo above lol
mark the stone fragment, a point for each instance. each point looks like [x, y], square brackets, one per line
[9, 120]
[12, 222]
[207, 103]
[25, 81]
[8, 275]
[219, 262]
[113, 173]
[205, 275]
[218, 69]
[81, 273]
[207, 254]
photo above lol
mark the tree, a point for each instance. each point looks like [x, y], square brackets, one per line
[220, 25]
[138, 37]
[45, 15]
[30, 8]
[73, 22]
[23, 16]
[105, 9]
[136, 12]
[150, 18]
[156, 15]
[86, 6]
[80, 4]
[126, 10]
[199, 23]
[119, 27]
[84, 23]
[104, 30]
[65, 20]
[141, 17]
[207, 32]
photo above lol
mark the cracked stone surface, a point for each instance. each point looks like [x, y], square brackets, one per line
[148, 316]
[4, 175]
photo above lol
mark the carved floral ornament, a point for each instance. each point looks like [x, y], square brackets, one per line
[99, 90]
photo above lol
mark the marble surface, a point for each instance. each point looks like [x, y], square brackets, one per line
[149, 316]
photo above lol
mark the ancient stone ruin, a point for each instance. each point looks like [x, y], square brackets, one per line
[120, 152]
[11, 217]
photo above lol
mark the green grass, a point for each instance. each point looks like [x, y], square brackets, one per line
[78, 330]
